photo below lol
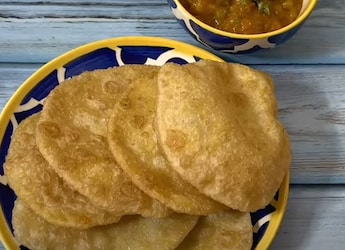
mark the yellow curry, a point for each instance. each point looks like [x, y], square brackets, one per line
[244, 16]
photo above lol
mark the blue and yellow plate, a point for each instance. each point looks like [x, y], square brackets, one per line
[29, 99]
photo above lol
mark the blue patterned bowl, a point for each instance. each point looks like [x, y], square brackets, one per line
[227, 42]
[29, 99]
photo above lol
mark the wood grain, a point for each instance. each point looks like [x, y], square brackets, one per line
[315, 219]
[312, 106]
[58, 26]
[11, 77]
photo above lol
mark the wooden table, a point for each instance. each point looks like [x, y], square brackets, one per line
[309, 73]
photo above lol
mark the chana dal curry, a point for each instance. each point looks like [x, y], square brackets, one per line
[245, 16]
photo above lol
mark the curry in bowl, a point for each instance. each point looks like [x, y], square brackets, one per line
[245, 16]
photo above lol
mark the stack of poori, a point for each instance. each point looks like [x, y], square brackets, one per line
[148, 157]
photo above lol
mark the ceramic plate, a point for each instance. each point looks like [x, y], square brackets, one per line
[29, 99]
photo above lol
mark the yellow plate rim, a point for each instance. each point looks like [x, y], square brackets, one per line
[5, 233]
[278, 215]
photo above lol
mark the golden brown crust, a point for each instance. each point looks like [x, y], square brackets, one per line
[37, 184]
[231, 230]
[71, 135]
[133, 142]
[131, 232]
[217, 125]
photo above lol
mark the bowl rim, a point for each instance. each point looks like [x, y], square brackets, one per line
[298, 21]
[6, 236]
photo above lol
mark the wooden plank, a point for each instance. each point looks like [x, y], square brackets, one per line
[315, 219]
[58, 26]
[84, 2]
[11, 77]
[67, 10]
[53, 37]
[312, 107]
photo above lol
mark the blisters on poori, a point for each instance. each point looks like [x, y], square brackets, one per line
[217, 125]
[133, 142]
[151, 140]
[71, 135]
[37, 184]
[131, 232]
[230, 230]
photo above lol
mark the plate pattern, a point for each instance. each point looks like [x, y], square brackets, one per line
[228, 44]
[101, 58]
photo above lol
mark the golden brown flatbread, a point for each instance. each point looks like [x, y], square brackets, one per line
[131, 232]
[37, 184]
[71, 135]
[217, 125]
[133, 142]
[231, 230]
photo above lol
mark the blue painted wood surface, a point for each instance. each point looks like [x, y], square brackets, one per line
[309, 72]
[58, 26]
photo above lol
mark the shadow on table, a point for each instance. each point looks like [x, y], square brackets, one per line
[316, 138]
[297, 225]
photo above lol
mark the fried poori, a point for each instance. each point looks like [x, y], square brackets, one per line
[231, 230]
[37, 184]
[133, 142]
[71, 135]
[217, 125]
[131, 232]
